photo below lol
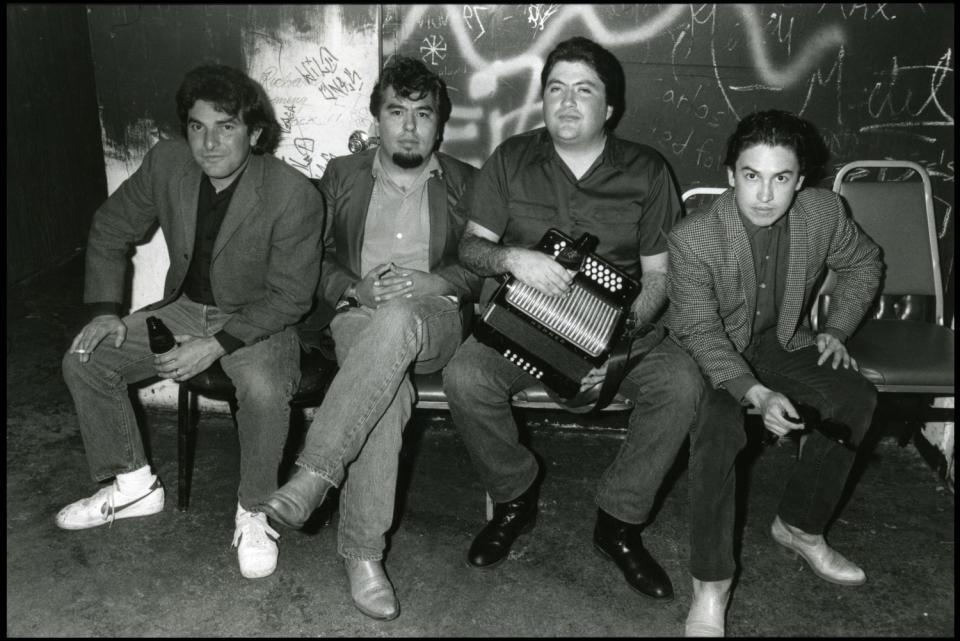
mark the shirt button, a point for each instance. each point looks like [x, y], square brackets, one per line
[763, 285]
[758, 313]
[399, 235]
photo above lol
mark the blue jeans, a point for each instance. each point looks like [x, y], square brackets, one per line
[355, 437]
[666, 387]
[265, 375]
[818, 478]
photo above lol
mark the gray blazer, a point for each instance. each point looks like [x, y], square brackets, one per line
[712, 284]
[266, 259]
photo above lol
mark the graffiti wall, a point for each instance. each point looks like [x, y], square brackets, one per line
[876, 79]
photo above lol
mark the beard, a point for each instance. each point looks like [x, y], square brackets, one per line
[407, 161]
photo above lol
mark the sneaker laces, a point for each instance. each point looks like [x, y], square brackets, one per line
[256, 530]
[107, 509]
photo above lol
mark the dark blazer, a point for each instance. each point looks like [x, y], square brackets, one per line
[347, 186]
[266, 259]
[712, 284]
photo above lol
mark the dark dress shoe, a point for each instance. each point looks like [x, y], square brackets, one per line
[294, 502]
[509, 521]
[620, 542]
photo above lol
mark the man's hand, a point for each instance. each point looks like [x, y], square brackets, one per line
[594, 377]
[192, 355]
[95, 331]
[829, 345]
[540, 271]
[386, 282]
[408, 283]
[774, 409]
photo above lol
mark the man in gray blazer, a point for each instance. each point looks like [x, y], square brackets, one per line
[743, 276]
[243, 237]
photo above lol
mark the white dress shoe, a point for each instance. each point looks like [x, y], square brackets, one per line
[371, 590]
[826, 563]
[708, 609]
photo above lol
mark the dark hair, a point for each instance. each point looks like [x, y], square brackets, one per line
[232, 92]
[604, 63]
[777, 128]
[412, 80]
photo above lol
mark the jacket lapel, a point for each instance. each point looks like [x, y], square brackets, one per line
[437, 203]
[243, 203]
[354, 225]
[189, 193]
[738, 241]
[793, 297]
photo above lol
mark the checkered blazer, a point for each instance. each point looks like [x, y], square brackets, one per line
[712, 284]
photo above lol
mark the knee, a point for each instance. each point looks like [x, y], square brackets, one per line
[260, 388]
[681, 380]
[466, 381]
[398, 317]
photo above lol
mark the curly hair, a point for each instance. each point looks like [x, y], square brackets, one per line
[232, 92]
[604, 63]
[412, 80]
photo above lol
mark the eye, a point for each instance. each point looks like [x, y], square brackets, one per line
[425, 115]
[229, 126]
[749, 175]
[586, 90]
[783, 179]
[194, 126]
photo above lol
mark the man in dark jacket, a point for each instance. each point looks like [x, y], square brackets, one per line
[395, 296]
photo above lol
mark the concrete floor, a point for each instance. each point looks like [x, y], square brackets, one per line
[175, 574]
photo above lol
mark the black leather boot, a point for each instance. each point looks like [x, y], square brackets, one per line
[510, 520]
[294, 502]
[620, 542]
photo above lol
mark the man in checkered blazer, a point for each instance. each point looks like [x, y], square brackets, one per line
[742, 278]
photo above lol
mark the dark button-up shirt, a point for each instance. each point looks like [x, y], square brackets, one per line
[627, 198]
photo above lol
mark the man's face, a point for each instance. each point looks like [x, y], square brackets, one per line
[220, 142]
[575, 104]
[765, 180]
[408, 128]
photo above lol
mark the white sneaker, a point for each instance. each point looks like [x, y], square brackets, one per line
[256, 550]
[108, 505]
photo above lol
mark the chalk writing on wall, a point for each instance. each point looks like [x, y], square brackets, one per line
[694, 70]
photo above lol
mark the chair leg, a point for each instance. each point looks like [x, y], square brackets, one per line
[185, 446]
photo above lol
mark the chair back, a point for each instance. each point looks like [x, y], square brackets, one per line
[898, 216]
[700, 198]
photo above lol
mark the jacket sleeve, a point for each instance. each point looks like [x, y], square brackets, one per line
[334, 278]
[694, 318]
[122, 220]
[293, 268]
[855, 259]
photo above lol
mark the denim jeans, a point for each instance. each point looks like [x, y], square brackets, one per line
[265, 375]
[355, 437]
[818, 478]
[666, 387]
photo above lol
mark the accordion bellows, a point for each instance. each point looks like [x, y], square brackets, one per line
[558, 339]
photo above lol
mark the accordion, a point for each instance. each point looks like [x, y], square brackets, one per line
[559, 339]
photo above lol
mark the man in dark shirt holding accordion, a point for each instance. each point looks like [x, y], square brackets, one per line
[576, 176]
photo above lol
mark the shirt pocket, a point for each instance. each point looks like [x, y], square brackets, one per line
[615, 215]
[536, 211]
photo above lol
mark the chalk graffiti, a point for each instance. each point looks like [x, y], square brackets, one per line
[434, 48]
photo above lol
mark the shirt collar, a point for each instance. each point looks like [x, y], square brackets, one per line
[433, 167]
[752, 229]
[612, 153]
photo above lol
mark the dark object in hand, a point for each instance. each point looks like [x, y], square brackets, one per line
[160, 336]
[811, 419]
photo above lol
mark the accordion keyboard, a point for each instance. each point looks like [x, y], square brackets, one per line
[580, 317]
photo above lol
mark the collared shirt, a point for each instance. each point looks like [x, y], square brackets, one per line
[397, 228]
[627, 198]
[770, 246]
[211, 209]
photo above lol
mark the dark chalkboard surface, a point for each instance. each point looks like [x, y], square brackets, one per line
[876, 79]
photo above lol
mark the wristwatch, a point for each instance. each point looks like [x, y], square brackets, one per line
[348, 300]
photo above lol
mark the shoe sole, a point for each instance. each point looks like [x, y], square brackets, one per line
[524, 530]
[603, 555]
[794, 554]
[116, 517]
[376, 616]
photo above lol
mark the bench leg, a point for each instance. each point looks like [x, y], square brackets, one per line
[185, 445]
